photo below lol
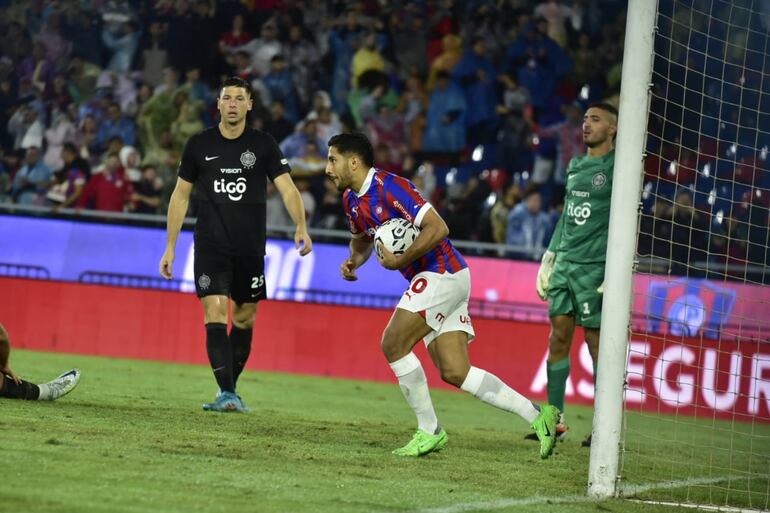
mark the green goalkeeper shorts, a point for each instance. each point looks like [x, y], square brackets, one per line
[572, 291]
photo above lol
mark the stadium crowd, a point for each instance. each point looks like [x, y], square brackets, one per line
[479, 102]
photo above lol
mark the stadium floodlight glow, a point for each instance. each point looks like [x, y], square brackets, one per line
[478, 153]
[763, 153]
[706, 169]
[585, 91]
[732, 150]
[720, 216]
[491, 199]
[672, 168]
[712, 197]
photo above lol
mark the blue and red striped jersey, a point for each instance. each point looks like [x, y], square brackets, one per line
[384, 196]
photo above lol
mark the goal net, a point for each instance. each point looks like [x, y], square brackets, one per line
[697, 398]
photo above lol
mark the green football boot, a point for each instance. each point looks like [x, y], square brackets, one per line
[545, 429]
[423, 443]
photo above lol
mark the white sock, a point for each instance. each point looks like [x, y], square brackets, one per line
[414, 386]
[45, 392]
[488, 387]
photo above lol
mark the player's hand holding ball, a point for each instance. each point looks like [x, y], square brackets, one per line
[392, 239]
[387, 259]
[547, 264]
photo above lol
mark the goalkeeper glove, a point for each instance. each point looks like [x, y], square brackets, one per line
[547, 264]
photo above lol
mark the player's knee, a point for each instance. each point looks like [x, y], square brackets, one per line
[558, 345]
[244, 318]
[391, 345]
[454, 375]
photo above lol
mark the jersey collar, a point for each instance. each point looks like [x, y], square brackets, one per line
[367, 182]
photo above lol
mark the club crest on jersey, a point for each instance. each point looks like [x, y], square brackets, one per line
[599, 180]
[248, 159]
[204, 281]
[378, 210]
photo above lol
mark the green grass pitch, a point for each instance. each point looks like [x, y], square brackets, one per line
[132, 438]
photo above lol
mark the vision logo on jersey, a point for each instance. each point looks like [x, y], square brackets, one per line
[234, 190]
[580, 213]
[248, 159]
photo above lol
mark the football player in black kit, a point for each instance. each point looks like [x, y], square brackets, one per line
[230, 163]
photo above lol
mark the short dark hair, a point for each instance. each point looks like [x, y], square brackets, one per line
[605, 107]
[354, 142]
[236, 82]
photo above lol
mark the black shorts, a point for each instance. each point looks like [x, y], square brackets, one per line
[242, 278]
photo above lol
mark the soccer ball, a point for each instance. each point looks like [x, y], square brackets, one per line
[396, 235]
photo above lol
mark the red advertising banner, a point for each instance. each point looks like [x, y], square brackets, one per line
[692, 376]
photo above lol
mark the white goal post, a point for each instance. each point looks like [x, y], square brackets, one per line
[621, 247]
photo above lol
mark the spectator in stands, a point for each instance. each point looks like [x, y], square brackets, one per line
[116, 125]
[367, 57]
[330, 214]
[154, 55]
[515, 133]
[62, 130]
[477, 77]
[302, 59]
[69, 180]
[410, 40]
[296, 144]
[445, 129]
[130, 159]
[108, 190]
[280, 85]
[122, 40]
[527, 227]
[447, 59]
[689, 236]
[25, 127]
[278, 124]
[262, 49]
[32, 180]
[85, 138]
[569, 137]
[145, 198]
[188, 120]
[238, 36]
[498, 216]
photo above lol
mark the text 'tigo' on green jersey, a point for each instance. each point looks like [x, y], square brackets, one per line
[581, 233]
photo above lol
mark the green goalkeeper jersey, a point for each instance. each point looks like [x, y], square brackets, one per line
[581, 233]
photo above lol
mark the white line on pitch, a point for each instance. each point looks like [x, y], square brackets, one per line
[701, 507]
[530, 501]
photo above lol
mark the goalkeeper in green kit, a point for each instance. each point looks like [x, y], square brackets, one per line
[571, 274]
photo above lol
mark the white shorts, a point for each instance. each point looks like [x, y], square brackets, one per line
[442, 299]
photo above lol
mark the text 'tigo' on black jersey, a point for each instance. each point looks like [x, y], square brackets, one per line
[230, 177]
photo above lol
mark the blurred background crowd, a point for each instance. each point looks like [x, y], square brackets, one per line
[479, 102]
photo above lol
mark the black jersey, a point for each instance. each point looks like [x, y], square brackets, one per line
[230, 177]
